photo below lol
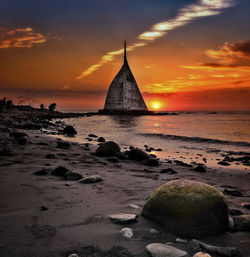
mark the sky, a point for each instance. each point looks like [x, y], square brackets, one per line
[186, 55]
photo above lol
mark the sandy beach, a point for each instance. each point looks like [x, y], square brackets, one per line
[46, 215]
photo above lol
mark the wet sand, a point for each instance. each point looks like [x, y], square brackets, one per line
[77, 214]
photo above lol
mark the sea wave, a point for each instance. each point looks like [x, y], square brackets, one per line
[195, 139]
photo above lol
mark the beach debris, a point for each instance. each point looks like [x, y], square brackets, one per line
[180, 240]
[137, 154]
[168, 171]
[72, 176]
[236, 193]
[134, 206]
[43, 208]
[20, 138]
[91, 179]
[108, 148]
[242, 222]
[127, 232]
[42, 172]
[181, 163]
[151, 162]
[112, 159]
[224, 163]
[101, 139]
[154, 232]
[62, 144]
[123, 218]
[235, 212]
[178, 204]
[92, 135]
[202, 254]
[245, 205]
[69, 130]
[220, 251]
[163, 250]
[50, 156]
[200, 168]
[59, 171]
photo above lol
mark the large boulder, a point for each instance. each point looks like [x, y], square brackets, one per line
[108, 148]
[189, 209]
[137, 155]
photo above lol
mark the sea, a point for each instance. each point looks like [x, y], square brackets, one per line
[192, 137]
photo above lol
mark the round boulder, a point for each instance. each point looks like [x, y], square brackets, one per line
[108, 148]
[137, 155]
[189, 209]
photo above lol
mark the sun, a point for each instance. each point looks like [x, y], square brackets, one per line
[156, 106]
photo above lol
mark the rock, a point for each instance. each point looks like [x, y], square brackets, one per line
[134, 206]
[42, 172]
[236, 193]
[127, 232]
[181, 163]
[158, 150]
[60, 171]
[235, 212]
[154, 232]
[92, 135]
[223, 163]
[72, 176]
[151, 162]
[91, 179]
[180, 240]
[63, 144]
[200, 168]
[242, 222]
[108, 148]
[112, 159]
[188, 208]
[163, 250]
[231, 225]
[137, 155]
[43, 208]
[50, 156]
[123, 218]
[202, 254]
[220, 251]
[20, 138]
[101, 139]
[245, 205]
[168, 171]
[73, 255]
[69, 130]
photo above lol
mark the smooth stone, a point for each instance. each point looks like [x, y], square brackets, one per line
[134, 206]
[123, 218]
[137, 155]
[127, 232]
[91, 179]
[154, 231]
[202, 254]
[108, 148]
[162, 250]
[59, 171]
[101, 139]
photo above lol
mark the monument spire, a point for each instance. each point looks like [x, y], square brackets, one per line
[125, 52]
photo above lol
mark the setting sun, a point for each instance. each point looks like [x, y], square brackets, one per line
[156, 106]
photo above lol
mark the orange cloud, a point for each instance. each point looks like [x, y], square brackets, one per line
[21, 37]
[186, 15]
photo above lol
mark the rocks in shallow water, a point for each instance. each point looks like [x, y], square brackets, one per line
[137, 155]
[236, 193]
[59, 171]
[188, 208]
[223, 163]
[163, 250]
[218, 251]
[123, 218]
[101, 139]
[72, 176]
[91, 179]
[42, 172]
[168, 171]
[69, 130]
[202, 254]
[108, 148]
[242, 222]
[235, 212]
[200, 168]
[62, 144]
[151, 162]
[127, 232]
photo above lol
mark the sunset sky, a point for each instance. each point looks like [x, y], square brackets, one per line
[185, 54]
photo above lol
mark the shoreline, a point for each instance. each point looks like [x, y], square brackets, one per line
[77, 214]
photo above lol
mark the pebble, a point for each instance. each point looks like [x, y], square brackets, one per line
[162, 250]
[134, 206]
[127, 232]
[123, 218]
[153, 231]
[91, 179]
[202, 254]
[180, 240]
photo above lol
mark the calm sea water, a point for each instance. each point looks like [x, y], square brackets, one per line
[187, 137]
